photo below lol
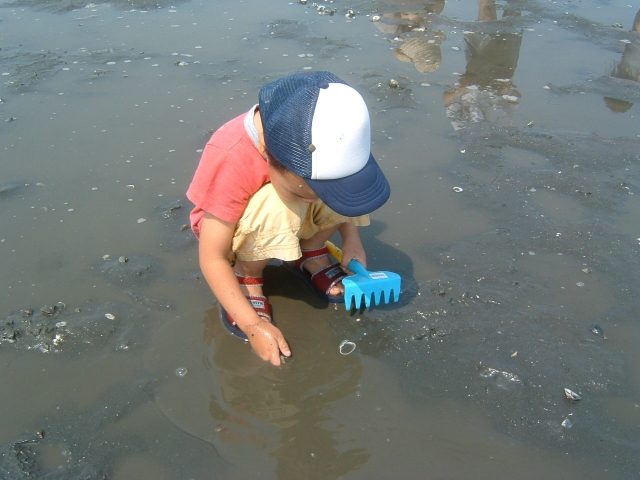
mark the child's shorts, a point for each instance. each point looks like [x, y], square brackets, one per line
[271, 228]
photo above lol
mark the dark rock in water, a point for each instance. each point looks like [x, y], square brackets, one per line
[149, 301]
[26, 69]
[398, 96]
[18, 459]
[11, 190]
[61, 6]
[173, 219]
[73, 435]
[137, 270]
[110, 325]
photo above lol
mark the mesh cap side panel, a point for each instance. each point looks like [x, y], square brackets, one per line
[287, 107]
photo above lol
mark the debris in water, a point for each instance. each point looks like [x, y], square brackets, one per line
[110, 316]
[347, 347]
[458, 189]
[181, 371]
[142, 220]
[566, 423]
[571, 395]
[597, 330]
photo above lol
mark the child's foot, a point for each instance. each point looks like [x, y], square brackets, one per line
[315, 268]
[316, 264]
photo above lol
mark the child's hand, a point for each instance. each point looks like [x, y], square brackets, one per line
[267, 341]
[352, 248]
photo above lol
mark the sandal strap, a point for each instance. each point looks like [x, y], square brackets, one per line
[242, 280]
[326, 278]
[310, 255]
[260, 305]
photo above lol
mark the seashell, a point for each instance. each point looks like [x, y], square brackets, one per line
[110, 316]
[571, 395]
[458, 189]
[347, 347]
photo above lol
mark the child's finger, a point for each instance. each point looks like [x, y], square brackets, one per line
[284, 347]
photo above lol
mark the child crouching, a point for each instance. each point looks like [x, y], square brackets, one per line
[276, 183]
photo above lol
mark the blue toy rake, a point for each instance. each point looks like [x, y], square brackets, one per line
[367, 284]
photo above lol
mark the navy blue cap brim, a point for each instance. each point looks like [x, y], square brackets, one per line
[358, 194]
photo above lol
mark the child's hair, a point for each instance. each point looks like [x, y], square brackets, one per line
[280, 168]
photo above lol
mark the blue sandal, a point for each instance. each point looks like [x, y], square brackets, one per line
[321, 281]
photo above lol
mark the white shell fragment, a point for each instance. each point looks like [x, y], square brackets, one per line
[347, 347]
[458, 189]
[571, 395]
[110, 316]
[566, 423]
[142, 220]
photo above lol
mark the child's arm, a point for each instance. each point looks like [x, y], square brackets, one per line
[215, 242]
[351, 245]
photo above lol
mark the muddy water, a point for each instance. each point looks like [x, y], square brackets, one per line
[532, 112]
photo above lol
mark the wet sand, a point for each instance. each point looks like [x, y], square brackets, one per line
[518, 283]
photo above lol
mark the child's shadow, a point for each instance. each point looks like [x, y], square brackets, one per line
[380, 256]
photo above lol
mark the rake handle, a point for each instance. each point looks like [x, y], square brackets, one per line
[354, 265]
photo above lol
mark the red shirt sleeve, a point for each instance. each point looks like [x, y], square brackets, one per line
[230, 172]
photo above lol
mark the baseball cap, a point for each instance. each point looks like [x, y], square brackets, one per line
[318, 127]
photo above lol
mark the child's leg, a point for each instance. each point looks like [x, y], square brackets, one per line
[268, 229]
[319, 225]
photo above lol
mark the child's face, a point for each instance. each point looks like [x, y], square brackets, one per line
[291, 187]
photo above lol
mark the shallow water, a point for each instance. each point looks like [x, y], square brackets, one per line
[104, 109]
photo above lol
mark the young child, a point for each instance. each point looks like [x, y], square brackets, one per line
[276, 183]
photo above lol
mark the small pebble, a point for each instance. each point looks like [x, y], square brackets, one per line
[123, 259]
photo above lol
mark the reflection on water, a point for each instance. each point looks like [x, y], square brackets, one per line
[242, 406]
[295, 400]
[628, 68]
